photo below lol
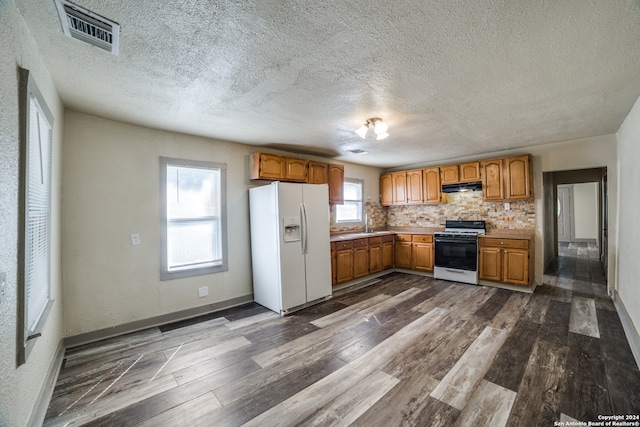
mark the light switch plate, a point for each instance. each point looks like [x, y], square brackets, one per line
[135, 239]
[3, 286]
[203, 292]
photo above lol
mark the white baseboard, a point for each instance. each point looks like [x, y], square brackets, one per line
[46, 391]
[164, 319]
[629, 329]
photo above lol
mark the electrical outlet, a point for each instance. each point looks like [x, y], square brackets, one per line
[507, 206]
[203, 292]
[135, 239]
[3, 286]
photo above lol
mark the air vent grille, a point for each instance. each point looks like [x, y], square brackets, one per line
[358, 151]
[86, 26]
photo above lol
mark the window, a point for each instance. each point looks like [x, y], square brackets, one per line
[351, 210]
[36, 122]
[193, 218]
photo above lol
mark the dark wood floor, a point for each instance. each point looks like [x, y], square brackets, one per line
[408, 350]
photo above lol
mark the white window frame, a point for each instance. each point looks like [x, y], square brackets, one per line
[34, 246]
[166, 271]
[351, 222]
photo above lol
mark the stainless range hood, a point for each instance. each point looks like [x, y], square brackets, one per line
[463, 186]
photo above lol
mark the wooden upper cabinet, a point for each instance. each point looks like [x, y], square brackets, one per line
[386, 189]
[414, 186]
[492, 180]
[518, 177]
[470, 172]
[449, 174]
[399, 180]
[295, 169]
[431, 185]
[318, 173]
[507, 179]
[336, 184]
[267, 166]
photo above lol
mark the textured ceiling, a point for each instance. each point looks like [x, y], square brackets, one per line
[451, 78]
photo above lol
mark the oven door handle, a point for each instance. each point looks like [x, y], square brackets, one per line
[445, 240]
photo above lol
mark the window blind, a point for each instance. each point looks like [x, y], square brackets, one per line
[37, 228]
[193, 217]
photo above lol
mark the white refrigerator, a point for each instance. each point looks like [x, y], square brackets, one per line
[290, 249]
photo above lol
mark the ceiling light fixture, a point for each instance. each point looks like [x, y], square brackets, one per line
[379, 127]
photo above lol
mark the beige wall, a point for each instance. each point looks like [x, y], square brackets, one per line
[19, 387]
[585, 211]
[111, 190]
[628, 267]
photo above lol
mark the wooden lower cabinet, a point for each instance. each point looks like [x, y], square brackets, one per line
[387, 252]
[506, 260]
[403, 251]
[334, 278]
[344, 261]
[422, 253]
[375, 254]
[360, 258]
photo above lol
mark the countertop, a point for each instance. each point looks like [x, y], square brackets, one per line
[495, 233]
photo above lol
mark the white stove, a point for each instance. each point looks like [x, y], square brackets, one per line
[456, 251]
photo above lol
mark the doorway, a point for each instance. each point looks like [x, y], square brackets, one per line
[561, 191]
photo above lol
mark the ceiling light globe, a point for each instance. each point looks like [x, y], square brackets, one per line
[380, 127]
[362, 131]
[382, 136]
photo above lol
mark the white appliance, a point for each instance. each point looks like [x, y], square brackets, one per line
[290, 249]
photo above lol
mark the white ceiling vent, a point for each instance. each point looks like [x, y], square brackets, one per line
[86, 26]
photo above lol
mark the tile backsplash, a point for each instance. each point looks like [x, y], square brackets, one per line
[468, 206]
[464, 205]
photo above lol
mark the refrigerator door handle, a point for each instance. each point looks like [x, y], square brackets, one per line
[303, 216]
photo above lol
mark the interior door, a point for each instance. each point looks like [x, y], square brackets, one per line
[564, 224]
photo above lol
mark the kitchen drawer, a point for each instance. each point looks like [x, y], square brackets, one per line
[403, 237]
[422, 238]
[387, 239]
[504, 243]
[360, 243]
[375, 241]
[341, 246]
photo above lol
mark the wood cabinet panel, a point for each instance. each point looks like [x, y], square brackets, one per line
[403, 254]
[422, 256]
[344, 265]
[432, 186]
[295, 169]
[360, 262]
[470, 172]
[414, 186]
[375, 258]
[492, 180]
[387, 255]
[386, 189]
[336, 184]
[399, 180]
[422, 238]
[318, 173]
[490, 264]
[515, 266]
[334, 277]
[267, 166]
[518, 177]
[449, 174]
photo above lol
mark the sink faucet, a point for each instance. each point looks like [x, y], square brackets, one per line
[368, 228]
